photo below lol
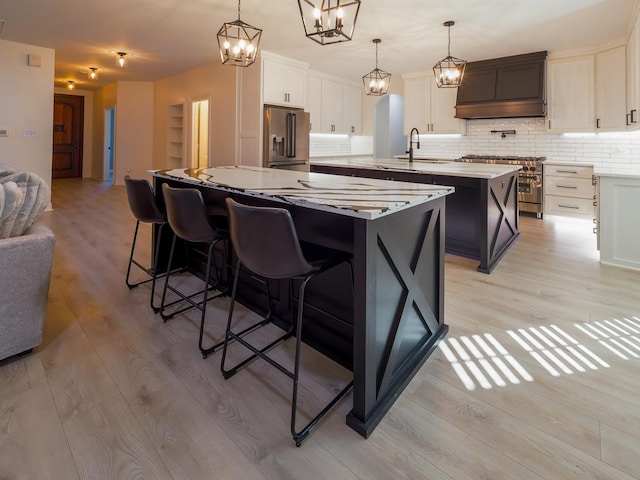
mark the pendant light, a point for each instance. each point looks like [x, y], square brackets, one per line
[377, 81]
[329, 22]
[238, 42]
[122, 59]
[93, 73]
[71, 84]
[450, 70]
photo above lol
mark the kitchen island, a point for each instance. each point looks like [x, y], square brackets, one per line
[386, 325]
[482, 214]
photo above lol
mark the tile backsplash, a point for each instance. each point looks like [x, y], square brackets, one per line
[615, 150]
[612, 150]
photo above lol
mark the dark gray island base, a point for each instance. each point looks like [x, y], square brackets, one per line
[482, 214]
[384, 332]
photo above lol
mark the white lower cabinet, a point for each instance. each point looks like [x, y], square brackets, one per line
[569, 190]
[619, 221]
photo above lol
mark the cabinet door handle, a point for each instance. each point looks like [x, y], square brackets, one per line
[633, 116]
[597, 123]
[573, 187]
[595, 230]
[567, 171]
[628, 118]
[573, 207]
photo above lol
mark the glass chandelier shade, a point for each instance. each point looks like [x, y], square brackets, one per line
[450, 70]
[376, 82]
[329, 22]
[71, 85]
[93, 73]
[238, 42]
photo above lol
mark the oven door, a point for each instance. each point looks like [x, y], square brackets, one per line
[530, 188]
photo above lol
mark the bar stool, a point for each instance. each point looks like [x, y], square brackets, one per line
[283, 256]
[187, 216]
[145, 209]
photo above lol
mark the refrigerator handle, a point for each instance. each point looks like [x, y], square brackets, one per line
[291, 135]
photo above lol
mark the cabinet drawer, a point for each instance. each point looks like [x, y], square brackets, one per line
[568, 207]
[569, 187]
[578, 171]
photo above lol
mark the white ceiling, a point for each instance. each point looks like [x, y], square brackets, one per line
[166, 37]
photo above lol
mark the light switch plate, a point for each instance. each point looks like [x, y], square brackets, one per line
[4, 132]
[29, 133]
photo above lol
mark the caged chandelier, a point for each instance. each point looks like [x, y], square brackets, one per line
[450, 70]
[238, 42]
[329, 22]
[376, 82]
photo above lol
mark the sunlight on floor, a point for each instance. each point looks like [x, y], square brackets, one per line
[621, 337]
[476, 356]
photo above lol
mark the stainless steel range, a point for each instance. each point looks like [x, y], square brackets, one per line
[529, 178]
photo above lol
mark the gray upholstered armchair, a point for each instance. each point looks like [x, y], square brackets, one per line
[25, 270]
[26, 255]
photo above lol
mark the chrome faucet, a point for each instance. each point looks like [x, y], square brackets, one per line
[411, 142]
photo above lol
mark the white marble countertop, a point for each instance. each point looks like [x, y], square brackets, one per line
[356, 197]
[433, 166]
[617, 172]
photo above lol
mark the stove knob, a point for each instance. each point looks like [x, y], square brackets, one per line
[525, 168]
[533, 169]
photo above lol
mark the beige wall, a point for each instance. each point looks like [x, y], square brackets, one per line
[134, 130]
[215, 82]
[26, 103]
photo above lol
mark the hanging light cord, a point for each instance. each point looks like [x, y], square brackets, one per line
[238, 9]
[376, 56]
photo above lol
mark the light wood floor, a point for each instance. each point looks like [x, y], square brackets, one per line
[539, 377]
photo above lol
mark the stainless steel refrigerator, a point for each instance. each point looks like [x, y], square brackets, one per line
[286, 138]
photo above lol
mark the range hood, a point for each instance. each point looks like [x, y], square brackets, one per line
[503, 87]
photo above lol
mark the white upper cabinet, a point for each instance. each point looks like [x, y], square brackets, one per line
[633, 77]
[588, 93]
[570, 94]
[352, 109]
[611, 85]
[284, 81]
[335, 105]
[428, 108]
[331, 106]
[314, 103]
[417, 108]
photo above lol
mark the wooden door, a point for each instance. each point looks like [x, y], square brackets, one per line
[68, 121]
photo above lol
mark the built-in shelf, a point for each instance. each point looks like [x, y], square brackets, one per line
[175, 136]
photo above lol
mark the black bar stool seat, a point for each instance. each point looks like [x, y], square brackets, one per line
[266, 243]
[188, 218]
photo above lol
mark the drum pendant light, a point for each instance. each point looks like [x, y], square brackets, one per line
[450, 70]
[238, 42]
[376, 82]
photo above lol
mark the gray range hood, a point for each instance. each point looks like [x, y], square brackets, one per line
[503, 87]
